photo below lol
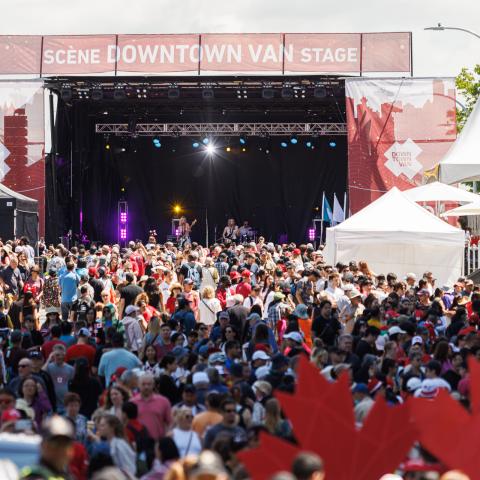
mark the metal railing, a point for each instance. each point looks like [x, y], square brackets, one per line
[471, 259]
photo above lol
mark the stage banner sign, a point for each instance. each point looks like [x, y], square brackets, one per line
[397, 129]
[22, 141]
[157, 53]
[77, 55]
[206, 54]
[255, 53]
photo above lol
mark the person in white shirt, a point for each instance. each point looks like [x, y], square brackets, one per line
[186, 440]
[165, 286]
[208, 307]
[333, 291]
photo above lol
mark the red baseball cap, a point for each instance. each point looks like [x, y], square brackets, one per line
[246, 273]
[234, 275]
[92, 271]
[296, 251]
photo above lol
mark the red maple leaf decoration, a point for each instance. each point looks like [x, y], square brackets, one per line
[323, 422]
[448, 430]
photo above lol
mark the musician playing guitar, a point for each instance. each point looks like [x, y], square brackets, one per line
[230, 232]
[184, 229]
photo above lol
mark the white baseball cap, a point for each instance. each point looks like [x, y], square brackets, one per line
[416, 340]
[260, 355]
[295, 336]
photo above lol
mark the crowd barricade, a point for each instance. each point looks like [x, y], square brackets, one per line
[471, 258]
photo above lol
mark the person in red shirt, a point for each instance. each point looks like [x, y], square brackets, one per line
[47, 347]
[81, 348]
[245, 286]
[222, 291]
[154, 410]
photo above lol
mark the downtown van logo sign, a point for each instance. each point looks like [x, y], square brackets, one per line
[402, 159]
[207, 54]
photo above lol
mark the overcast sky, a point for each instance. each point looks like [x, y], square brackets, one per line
[435, 53]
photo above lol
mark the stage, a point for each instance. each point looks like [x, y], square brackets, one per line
[270, 177]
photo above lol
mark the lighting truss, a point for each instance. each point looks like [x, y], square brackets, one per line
[223, 129]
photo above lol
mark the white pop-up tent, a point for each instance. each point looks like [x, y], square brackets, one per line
[462, 161]
[394, 234]
[440, 192]
[464, 210]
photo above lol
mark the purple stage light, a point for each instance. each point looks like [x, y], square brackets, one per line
[311, 234]
[123, 234]
[123, 217]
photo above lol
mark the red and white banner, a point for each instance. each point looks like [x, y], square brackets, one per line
[397, 129]
[193, 54]
[22, 141]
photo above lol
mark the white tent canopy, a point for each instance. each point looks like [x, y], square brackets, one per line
[394, 234]
[462, 161]
[465, 210]
[440, 192]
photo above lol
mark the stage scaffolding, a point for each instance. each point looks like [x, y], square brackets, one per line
[222, 129]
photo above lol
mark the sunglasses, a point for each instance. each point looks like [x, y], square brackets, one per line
[23, 366]
[203, 328]
[188, 417]
[229, 411]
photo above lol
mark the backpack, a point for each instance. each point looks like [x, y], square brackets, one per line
[145, 447]
[194, 275]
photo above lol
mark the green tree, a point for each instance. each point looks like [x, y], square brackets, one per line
[468, 89]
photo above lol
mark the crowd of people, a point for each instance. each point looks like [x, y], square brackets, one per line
[155, 362]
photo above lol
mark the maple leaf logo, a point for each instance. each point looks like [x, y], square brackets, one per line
[323, 422]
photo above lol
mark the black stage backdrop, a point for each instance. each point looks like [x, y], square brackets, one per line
[277, 192]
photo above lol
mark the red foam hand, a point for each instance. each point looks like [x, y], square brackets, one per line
[323, 422]
[272, 456]
[448, 431]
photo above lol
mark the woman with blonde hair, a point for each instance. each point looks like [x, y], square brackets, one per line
[209, 275]
[274, 422]
[185, 438]
[152, 337]
[208, 307]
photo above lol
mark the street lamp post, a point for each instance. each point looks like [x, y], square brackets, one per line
[440, 28]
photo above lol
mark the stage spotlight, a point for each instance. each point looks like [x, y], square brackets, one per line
[287, 93]
[294, 140]
[320, 92]
[177, 209]
[284, 144]
[206, 141]
[107, 146]
[97, 94]
[66, 94]
[119, 94]
[210, 149]
[242, 141]
[268, 93]
[195, 144]
[309, 144]
[156, 143]
[267, 151]
[332, 144]
[173, 93]
[228, 149]
[244, 149]
[208, 94]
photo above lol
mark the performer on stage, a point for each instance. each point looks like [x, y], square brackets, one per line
[230, 232]
[184, 229]
[245, 232]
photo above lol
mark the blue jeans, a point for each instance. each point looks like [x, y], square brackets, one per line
[65, 308]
